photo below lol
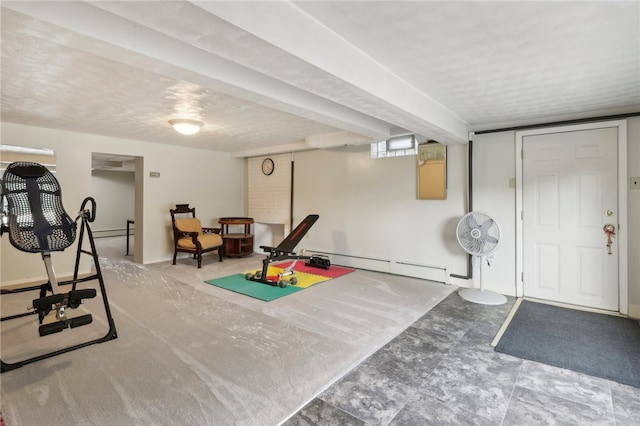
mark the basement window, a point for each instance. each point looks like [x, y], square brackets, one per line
[396, 146]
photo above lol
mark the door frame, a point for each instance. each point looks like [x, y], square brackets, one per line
[623, 276]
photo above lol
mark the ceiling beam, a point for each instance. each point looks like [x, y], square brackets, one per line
[289, 28]
[126, 40]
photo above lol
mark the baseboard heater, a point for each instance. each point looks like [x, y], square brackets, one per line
[110, 233]
[396, 267]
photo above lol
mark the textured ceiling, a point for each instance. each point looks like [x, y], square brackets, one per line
[270, 77]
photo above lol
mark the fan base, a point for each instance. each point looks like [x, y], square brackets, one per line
[484, 297]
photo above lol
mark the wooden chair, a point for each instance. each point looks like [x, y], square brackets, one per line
[190, 237]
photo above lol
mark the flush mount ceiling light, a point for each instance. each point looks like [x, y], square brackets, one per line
[185, 126]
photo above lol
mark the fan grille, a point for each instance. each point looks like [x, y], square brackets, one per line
[478, 234]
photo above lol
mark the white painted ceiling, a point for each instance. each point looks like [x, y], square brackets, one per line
[268, 77]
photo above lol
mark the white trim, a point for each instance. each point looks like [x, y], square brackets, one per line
[518, 214]
[28, 151]
[575, 307]
[634, 312]
[623, 275]
[623, 233]
[405, 268]
[506, 323]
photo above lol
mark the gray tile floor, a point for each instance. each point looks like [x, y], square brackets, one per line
[443, 371]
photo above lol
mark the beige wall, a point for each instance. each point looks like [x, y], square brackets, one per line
[116, 192]
[212, 181]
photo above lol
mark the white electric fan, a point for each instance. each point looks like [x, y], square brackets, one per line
[479, 235]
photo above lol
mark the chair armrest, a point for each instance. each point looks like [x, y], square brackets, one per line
[211, 230]
[193, 235]
[182, 234]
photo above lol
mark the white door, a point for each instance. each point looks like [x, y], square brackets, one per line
[569, 193]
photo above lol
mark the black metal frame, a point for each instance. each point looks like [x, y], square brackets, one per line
[86, 217]
[284, 251]
[39, 224]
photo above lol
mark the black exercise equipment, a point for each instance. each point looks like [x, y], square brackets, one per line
[38, 223]
[319, 261]
[284, 251]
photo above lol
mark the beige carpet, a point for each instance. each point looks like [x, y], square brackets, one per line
[191, 353]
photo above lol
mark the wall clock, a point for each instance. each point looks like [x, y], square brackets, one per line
[267, 166]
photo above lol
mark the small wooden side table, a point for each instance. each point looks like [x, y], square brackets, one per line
[237, 244]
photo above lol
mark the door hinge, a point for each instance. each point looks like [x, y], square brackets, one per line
[522, 154]
[522, 276]
[521, 214]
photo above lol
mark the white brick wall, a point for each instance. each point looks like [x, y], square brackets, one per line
[269, 197]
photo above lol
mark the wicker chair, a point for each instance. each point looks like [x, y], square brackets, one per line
[190, 237]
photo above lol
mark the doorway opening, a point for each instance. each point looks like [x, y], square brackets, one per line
[117, 188]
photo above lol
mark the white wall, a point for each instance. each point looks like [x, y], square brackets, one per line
[269, 196]
[368, 208]
[116, 192]
[369, 211]
[494, 164]
[212, 181]
[633, 206]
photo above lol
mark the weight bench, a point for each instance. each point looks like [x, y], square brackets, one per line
[38, 223]
[284, 251]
